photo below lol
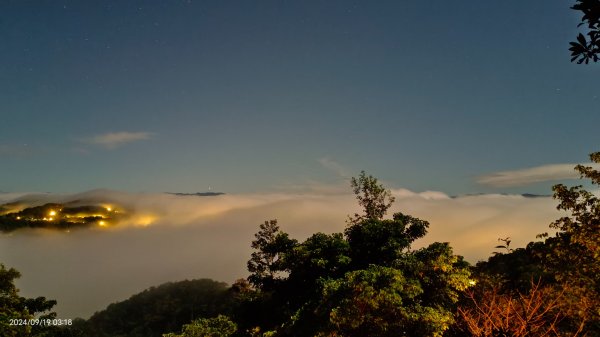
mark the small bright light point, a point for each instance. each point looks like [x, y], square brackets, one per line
[52, 213]
[50, 219]
[102, 223]
[472, 282]
[18, 218]
[109, 209]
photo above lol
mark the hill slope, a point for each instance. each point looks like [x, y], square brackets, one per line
[159, 310]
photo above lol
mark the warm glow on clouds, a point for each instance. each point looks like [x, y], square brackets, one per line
[453, 219]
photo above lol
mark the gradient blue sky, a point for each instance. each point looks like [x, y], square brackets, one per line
[248, 96]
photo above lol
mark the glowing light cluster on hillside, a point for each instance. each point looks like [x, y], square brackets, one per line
[54, 215]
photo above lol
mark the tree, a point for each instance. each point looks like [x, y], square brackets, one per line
[558, 278]
[416, 297]
[13, 306]
[265, 265]
[301, 267]
[582, 226]
[378, 301]
[495, 313]
[220, 326]
[372, 196]
[587, 49]
[365, 282]
[574, 257]
[376, 241]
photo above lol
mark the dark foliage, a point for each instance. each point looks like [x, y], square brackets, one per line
[558, 278]
[383, 241]
[13, 306]
[365, 282]
[586, 48]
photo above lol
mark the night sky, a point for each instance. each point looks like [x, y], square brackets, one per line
[457, 106]
[252, 96]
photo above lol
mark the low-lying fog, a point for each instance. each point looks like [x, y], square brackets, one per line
[171, 238]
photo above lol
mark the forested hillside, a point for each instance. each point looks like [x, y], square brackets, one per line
[160, 309]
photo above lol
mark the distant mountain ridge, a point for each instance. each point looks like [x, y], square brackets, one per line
[197, 194]
[524, 195]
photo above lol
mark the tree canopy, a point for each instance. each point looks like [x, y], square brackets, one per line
[363, 282]
[220, 326]
[372, 196]
[586, 48]
[553, 283]
[13, 306]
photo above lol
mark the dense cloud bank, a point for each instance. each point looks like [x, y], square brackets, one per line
[170, 237]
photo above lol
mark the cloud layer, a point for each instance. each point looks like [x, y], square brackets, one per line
[171, 237]
[113, 140]
[531, 175]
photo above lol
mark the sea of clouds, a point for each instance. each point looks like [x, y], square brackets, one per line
[170, 237]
